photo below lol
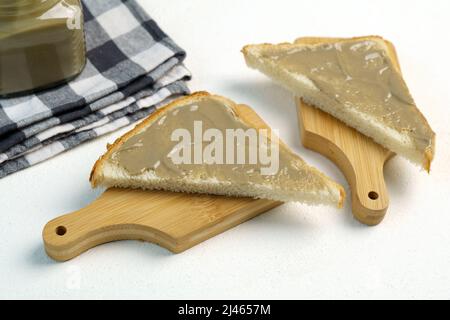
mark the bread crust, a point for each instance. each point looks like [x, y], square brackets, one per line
[429, 152]
[96, 173]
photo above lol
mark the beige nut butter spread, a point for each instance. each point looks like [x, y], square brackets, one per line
[41, 43]
[152, 150]
[359, 75]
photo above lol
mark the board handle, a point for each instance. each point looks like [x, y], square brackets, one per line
[360, 159]
[100, 222]
[370, 198]
[364, 173]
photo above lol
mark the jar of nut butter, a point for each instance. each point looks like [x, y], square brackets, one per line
[41, 44]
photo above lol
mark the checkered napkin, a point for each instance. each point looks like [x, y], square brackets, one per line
[132, 68]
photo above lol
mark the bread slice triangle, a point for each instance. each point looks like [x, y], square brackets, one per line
[296, 181]
[399, 126]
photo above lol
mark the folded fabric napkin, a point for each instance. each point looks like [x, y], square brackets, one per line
[132, 68]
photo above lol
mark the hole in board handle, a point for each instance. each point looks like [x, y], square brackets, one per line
[373, 195]
[61, 230]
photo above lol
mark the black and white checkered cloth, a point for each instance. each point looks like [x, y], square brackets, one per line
[132, 68]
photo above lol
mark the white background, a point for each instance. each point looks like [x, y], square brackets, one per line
[294, 251]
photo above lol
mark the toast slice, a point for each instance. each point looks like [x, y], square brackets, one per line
[150, 142]
[358, 81]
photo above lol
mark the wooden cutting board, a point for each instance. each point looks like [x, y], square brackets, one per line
[360, 159]
[176, 221]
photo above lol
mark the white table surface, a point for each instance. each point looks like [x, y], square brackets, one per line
[294, 251]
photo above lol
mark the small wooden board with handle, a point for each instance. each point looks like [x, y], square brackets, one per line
[176, 221]
[360, 159]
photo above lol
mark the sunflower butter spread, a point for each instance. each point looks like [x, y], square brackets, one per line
[216, 145]
[361, 75]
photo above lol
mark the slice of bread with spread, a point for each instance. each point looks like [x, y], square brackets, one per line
[358, 81]
[144, 157]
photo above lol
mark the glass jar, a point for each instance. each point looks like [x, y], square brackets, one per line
[41, 44]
